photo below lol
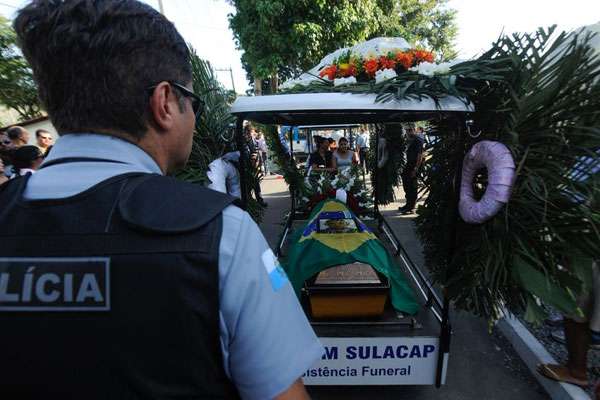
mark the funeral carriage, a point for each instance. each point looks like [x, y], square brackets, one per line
[372, 335]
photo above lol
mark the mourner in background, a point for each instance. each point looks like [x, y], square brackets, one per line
[362, 144]
[414, 158]
[44, 139]
[26, 160]
[343, 157]
[321, 159]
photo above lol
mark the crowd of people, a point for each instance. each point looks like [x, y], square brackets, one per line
[17, 157]
[330, 156]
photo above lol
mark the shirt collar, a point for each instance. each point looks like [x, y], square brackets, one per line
[105, 147]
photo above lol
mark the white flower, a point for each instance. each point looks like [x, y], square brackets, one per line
[351, 182]
[344, 81]
[425, 68]
[302, 80]
[384, 75]
[334, 182]
[431, 69]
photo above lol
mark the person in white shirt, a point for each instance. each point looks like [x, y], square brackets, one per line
[262, 151]
[362, 144]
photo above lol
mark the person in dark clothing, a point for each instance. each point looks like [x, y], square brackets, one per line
[253, 153]
[414, 158]
[26, 159]
[321, 160]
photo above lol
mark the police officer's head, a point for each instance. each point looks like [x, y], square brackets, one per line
[116, 67]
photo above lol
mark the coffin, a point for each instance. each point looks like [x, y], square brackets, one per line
[347, 291]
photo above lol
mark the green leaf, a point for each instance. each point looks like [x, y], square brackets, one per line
[538, 284]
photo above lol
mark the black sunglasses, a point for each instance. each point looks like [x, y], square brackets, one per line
[197, 102]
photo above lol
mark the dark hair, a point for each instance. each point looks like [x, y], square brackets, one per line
[37, 133]
[342, 139]
[94, 60]
[14, 132]
[24, 156]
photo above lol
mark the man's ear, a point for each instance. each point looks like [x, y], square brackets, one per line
[163, 106]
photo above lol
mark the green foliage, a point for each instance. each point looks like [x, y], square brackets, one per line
[17, 87]
[541, 98]
[286, 37]
[214, 134]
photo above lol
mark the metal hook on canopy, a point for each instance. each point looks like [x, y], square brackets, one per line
[469, 123]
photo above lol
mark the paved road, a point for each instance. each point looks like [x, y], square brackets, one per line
[481, 366]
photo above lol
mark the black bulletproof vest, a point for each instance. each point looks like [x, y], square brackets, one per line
[112, 293]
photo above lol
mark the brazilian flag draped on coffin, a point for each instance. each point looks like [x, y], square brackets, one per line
[313, 251]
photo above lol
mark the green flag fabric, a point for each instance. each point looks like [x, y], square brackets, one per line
[333, 236]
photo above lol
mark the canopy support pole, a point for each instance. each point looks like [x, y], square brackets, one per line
[446, 328]
[292, 166]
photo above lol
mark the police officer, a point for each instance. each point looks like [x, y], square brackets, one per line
[115, 280]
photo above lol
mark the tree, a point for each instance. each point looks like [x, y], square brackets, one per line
[427, 23]
[281, 38]
[17, 87]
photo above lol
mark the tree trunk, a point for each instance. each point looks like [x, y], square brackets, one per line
[257, 86]
[274, 83]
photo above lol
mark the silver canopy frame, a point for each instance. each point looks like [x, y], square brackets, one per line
[327, 109]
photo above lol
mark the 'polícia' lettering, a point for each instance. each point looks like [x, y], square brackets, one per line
[50, 288]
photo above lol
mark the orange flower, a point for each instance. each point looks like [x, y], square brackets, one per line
[405, 59]
[329, 72]
[347, 70]
[387, 63]
[371, 67]
[423, 55]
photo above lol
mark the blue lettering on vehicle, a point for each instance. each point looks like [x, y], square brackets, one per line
[331, 353]
[387, 352]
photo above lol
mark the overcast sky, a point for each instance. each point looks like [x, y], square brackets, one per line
[204, 24]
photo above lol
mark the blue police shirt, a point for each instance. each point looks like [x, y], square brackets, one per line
[266, 340]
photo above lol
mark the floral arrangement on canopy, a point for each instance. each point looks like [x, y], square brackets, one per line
[374, 61]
